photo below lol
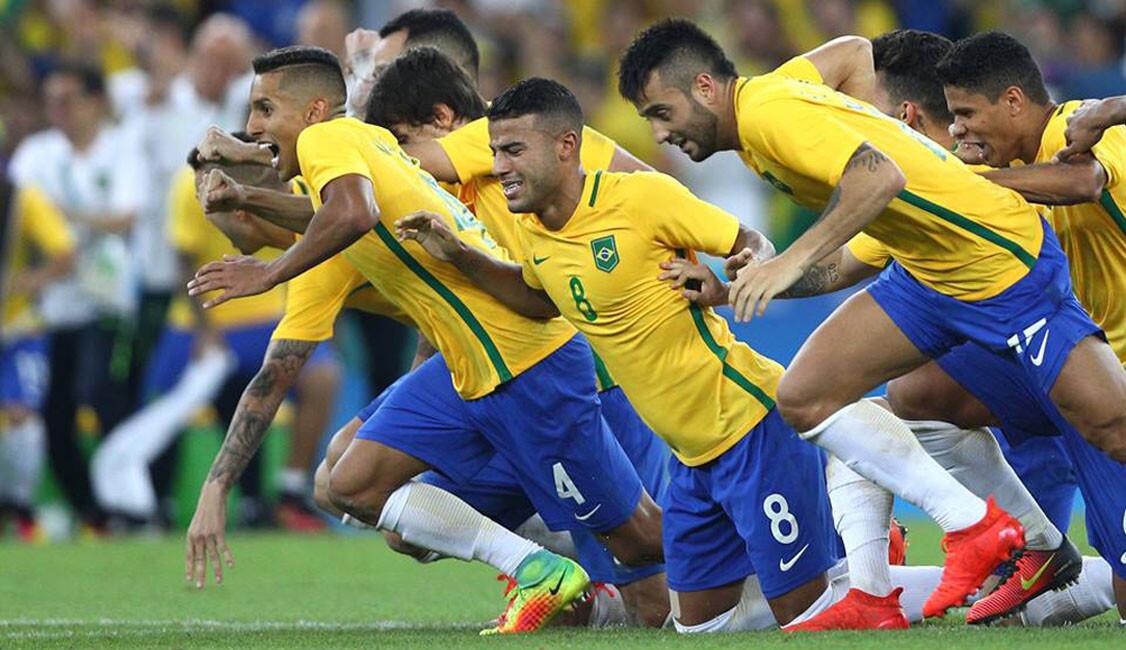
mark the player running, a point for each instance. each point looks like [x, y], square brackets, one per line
[447, 418]
[965, 270]
[592, 246]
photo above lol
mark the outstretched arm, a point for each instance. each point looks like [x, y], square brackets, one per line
[1080, 179]
[221, 193]
[1086, 125]
[502, 280]
[256, 410]
[846, 64]
[870, 182]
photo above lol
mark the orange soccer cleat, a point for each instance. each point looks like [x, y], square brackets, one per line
[973, 554]
[897, 543]
[1036, 572]
[858, 610]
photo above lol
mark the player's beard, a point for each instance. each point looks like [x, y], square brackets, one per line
[703, 131]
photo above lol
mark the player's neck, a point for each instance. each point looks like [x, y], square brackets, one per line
[564, 202]
[727, 126]
[82, 137]
[1033, 131]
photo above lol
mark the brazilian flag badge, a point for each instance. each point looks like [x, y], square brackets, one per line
[605, 251]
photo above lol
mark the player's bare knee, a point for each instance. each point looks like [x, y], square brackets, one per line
[1108, 433]
[802, 410]
[321, 489]
[907, 403]
[352, 494]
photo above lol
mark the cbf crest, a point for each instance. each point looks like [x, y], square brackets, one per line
[605, 251]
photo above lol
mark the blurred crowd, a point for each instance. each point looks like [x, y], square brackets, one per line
[100, 102]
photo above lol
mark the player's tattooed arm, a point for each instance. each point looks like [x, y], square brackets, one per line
[870, 182]
[256, 409]
[1080, 179]
[502, 280]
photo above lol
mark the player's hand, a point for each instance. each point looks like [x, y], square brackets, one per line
[757, 283]
[207, 537]
[429, 230]
[222, 147]
[1085, 128]
[696, 282]
[221, 193]
[737, 261]
[359, 67]
[236, 276]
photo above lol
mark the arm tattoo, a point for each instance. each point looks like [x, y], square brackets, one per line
[867, 158]
[814, 282]
[259, 404]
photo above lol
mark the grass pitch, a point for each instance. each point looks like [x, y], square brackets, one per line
[344, 591]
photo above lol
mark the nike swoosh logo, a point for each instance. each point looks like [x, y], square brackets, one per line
[554, 590]
[589, 514]
[1038, 358]
[784, 565]
[540, 260]
[1027, 584]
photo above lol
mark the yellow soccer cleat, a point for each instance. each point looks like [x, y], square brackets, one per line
[545, 584]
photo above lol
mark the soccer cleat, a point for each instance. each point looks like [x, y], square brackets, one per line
[973, 554]
[1036, 572]
[858, 610]
[897, 543]
[545, 584]
[295, 514]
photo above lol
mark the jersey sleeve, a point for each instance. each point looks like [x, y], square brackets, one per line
[324, 156]
[678, 218]
[185, 213]
[45, 224]
[796, 135]
[468, 150]
[869, 250]
[314, 299]
[597, 150]
[799, 68]
[1110, 151]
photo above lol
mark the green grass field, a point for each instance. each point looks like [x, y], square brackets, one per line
[351, 591]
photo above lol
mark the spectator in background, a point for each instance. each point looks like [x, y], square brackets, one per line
[90, 170]
[324, 23]
[1097, 53]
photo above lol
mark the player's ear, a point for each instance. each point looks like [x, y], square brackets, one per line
[444, 116]
[317, 111]
[704, 88]
[1014, 99]
[568, 145]
[907, 114]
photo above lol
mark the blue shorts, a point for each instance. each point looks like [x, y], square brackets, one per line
[1026, 415]
[24, 372]
[1036, 322]
[648, 453]
[760, 508]
[174, 350]
[1044, 466]
[547, 422]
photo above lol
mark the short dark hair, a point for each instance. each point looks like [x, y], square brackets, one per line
[907, 59]
[89, 75]
[440, 28]
[542, 97]
[257, 175]
[306, 64]
[679, 50]
[990, 62]
[164, 16]
[414, 82]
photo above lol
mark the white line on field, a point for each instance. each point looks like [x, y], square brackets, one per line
[26, 627]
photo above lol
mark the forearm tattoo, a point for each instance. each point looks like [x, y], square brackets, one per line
[814, 282]
[258, 406]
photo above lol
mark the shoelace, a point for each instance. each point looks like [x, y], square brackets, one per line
[510, 584]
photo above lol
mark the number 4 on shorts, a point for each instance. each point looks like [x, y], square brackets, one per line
[564, 486]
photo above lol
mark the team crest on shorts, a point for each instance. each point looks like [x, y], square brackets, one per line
[605, 251]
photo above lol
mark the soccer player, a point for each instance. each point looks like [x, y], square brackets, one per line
[981, 270]
[1003, 107]
[452, 418]
[38, 248]
[592, 244]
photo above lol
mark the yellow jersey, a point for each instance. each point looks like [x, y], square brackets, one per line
[481, 192]
[483, 342]
[687, 376]
[193, 235]
[1094, 234]
[953, 230]
[36, 228]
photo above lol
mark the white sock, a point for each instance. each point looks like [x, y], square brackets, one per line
[294, 481]
[975, 459]
[861, 514]
[1091, 596]
[607, 608]
[558, 542]
[918, 583]
[24, 451]
[717, 624]
[434, 519]
[877, 445]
